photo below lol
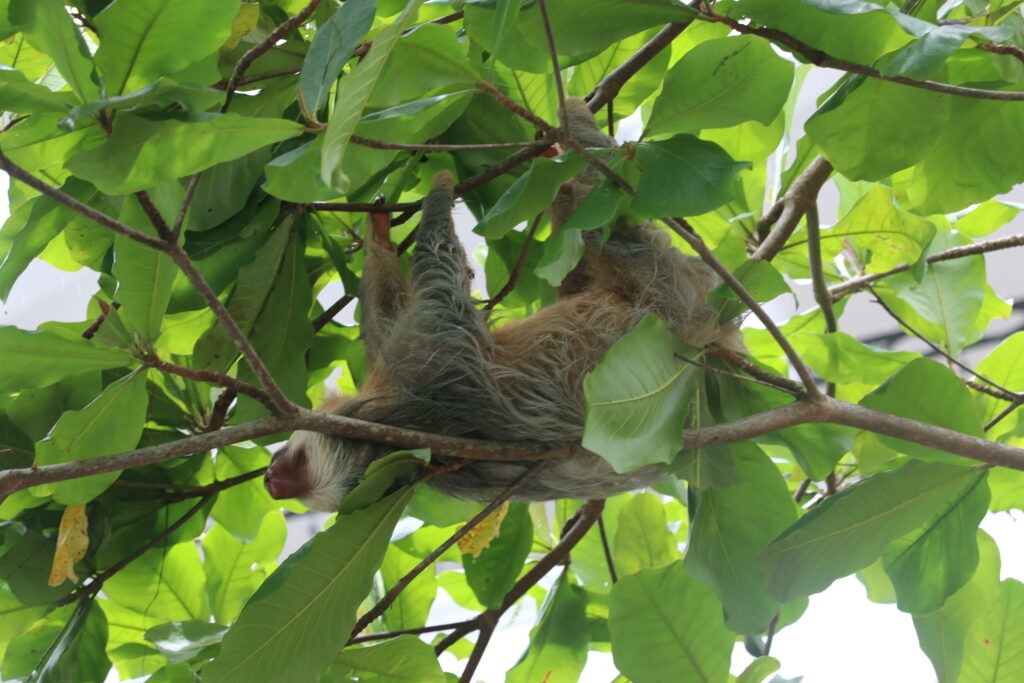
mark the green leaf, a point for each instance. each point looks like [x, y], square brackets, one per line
[729, 529]
[143, 152]
[758, 670]
[332, 47]
[110, 424]
[838, 357]
[937, 559]
[234, 570]
[295, 624]
[968, 162]
[38, 359]
[662, 620]
[719, 84]
[20, 96]
[163, 91]
[216, 350]
[30, 229]
[759, 278]
[49, 28]
[493, 573]
[558, 643]
[931, 393]
[405, 658]
[854, 30]
[412, 606]
[353, 94]
[1004, 365]
[879, 128]
[145, 275]
[993, 651]
[851, 529]
[946, 304]
[683, 176]
[162, 585]
[943, 633]
[180, 641]
[638, 397]
[923, 58]
[143, 40]
[642, 538]
[532, 193]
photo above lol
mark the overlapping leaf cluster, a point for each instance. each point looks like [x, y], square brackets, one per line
[242, 150]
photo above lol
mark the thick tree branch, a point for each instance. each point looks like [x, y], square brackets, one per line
[863, 281]
[785, 215]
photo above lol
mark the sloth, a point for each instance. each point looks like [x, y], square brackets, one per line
[435, 364]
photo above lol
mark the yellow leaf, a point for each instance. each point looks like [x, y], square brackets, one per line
[480, 536]
[248, 17]
[72, 542]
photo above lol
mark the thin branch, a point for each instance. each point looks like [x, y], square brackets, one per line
[262, 48]
[393, 593]
[684, 230]
[237, 386]
[218, 415]
[823, 59]
[18, 173]
[156, 219]
[585, 518]
[556, 70]
[190, 193]
[611, 84]
[513, 276]
[606, 546]
[762, 376]
[387, 635]
[425, 147]
[997, 49]
[785, 215]
[365, 207]
[334, 309]
[863, 281]
[821, 294]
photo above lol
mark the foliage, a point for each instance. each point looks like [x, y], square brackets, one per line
[215, 162]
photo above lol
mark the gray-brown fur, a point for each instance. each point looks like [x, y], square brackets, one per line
[436, 366]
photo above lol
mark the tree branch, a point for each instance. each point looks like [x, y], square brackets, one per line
[863, 281]
[824, 60]
[611, 84]
[785, 215]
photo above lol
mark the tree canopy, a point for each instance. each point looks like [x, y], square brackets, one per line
[216, 164]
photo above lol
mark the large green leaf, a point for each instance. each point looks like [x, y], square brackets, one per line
[163, 585]
[143, 40]
[145, 275]
[638, 397]
[642, 538]
[683, 176]
[937, 559]
[928, 392]
[722, 83]
[493, 573]
[969, 162]
[412, 606]
[234, 570]
[558, 643]
[851, 529]
[353, 94]
[729, 529]
[405, 658]
[531, 194]
[838, 357]
[19, 95]
[144, 152]
[49, 28]
[1004, 365]
[38, 359]
[994, 651]
[332, 47]
[878, 128]
[295, 624]
[662, 620]
[942, 634]
[110, 424]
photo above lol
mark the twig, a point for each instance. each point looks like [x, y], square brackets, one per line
[863, 281]
[513, 276]
[387, 635]
[823, 59]
[211, 376]
[785, 215]
[606, 546]
[611, 84]
[154, 215]
[392, 594]
[334, 309]
[218, 415]
[587, 516]
[821, 294]
[186, 201]
[556, 70]
[425, 147]
[365, 207]
[257, 51]
[762, 376]
[998, 49]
